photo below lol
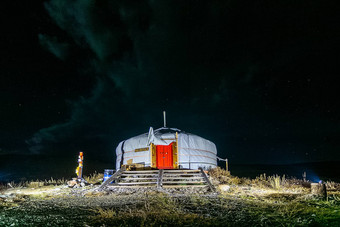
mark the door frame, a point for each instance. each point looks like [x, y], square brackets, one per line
[175, 154]
[165, 148]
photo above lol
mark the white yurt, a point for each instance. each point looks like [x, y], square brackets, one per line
[167, 148]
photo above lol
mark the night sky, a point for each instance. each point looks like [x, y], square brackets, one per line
[258, 78]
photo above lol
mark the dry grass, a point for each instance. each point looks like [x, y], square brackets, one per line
[3, 187]
[263, 201]
[94, 178]
[158, 210]
[223, 177]
[263, 181]
[277, 182]
[52, 181]
[275, 209]
[331, 185]
[33, 184]
[335, 195]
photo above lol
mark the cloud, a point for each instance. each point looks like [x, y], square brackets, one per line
[90, 25]
[146, 57]
[59, 49]
[207, 63]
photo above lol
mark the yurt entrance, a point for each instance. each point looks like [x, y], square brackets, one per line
[164, 156]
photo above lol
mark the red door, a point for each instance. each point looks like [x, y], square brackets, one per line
[164, 156]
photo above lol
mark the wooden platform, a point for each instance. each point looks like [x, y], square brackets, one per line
[159, 178]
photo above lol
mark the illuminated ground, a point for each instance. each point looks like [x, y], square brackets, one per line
[242, 203]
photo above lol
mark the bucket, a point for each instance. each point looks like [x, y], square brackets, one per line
[108, 173]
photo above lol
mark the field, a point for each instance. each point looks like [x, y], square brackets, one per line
[263, 201]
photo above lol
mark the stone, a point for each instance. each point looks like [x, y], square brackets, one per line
[224, 187]
[71, 183]
[319, 189]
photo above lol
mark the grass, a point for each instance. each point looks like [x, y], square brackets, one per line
[297, 213]
[156, 210]
[277, 182]
[224, 210]
[263, 201]
[94, 178]
[33, 183]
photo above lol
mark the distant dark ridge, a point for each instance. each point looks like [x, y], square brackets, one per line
[16, 168]
[328, 170]
[39, 167]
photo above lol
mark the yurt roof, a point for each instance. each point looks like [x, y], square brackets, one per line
[164, 132]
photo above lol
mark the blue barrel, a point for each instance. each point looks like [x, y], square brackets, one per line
[108, 173]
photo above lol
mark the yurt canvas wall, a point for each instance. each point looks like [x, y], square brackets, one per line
[161, 149]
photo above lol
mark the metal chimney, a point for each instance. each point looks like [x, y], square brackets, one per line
[164, 117]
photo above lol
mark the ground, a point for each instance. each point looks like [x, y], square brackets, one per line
[241, 202]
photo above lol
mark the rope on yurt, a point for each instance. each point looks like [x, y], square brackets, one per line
[122, 149]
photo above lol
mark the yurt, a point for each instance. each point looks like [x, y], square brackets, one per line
[167, 148]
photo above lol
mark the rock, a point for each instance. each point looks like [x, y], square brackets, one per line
[319, 189]
[306, 184]
[71, 183]
[224, 188]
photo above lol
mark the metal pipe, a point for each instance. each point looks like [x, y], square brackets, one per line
[164, 117]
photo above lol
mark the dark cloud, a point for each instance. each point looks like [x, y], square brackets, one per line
[221, 69]
[60, 50]
[91, 25]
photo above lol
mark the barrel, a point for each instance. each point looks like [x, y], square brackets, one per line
[108, 173]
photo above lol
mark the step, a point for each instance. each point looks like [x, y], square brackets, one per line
[142, 171]
[131, 186]
[138, 174]
[183, 182]
[151, 178]
[186, 174]
[135, 183]
[185, 186]
[182, 178]
[183, 175]
[181, 170]
[152, 186]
